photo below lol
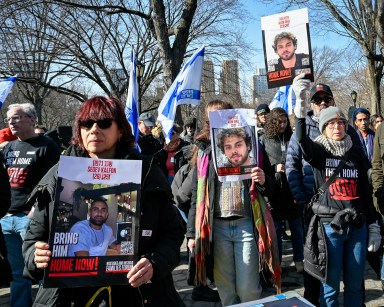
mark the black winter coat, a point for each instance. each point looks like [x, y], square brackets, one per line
[162, 248]
[282, 202]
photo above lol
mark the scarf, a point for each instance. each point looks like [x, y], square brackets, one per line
[203, 229]
[336, 148]
[268, 248]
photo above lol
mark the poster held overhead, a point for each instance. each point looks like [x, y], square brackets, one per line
[287, 47]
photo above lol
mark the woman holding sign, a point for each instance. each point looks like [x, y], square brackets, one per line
[221, 220]
[101, 131]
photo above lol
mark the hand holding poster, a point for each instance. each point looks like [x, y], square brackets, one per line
[234, 145]
[94, 238]
[287, 47]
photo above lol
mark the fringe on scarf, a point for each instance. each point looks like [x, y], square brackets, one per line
[203, 229]
[268, 248]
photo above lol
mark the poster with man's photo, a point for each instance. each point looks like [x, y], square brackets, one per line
[234, 143]
[95, 226]
[287, 47]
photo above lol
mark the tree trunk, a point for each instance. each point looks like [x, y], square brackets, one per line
[375, 73]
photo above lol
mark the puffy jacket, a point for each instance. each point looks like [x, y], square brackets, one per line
[162, 248]
[315, 250]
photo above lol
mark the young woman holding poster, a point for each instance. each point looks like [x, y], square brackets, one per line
[221, 223]
[101, 131]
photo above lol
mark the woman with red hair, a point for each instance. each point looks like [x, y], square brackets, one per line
[101, 131]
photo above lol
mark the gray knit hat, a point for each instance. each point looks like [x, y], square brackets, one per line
[328, 114]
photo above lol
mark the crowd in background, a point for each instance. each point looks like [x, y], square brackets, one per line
[217, 218]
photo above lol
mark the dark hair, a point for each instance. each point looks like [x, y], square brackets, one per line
[97, 108]
[372, 120]
[271, 126]
[99, 199]
[282, 35]
[240, 132]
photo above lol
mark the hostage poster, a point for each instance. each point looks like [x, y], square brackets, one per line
[95, 227]
[287, 47]
[234, 143]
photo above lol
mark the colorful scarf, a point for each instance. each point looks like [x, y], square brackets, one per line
[268, 248]
[203, 229]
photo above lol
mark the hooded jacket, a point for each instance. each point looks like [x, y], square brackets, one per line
[162, 248]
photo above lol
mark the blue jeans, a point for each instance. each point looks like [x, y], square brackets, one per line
[14, 229]
[297, 237]
[346, 253]
[170, 179]
[236, 261]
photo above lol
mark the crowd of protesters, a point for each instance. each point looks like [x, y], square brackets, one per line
[334, 230]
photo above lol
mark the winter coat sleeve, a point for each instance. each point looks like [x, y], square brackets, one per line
[5, 190]
[192, 211]
[182, 188]
[294, 170]
[41, 199]
[163, 225]
[378, 169]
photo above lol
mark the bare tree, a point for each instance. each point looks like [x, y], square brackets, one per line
[30, 48]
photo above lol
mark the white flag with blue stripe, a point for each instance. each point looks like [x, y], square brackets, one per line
[5, 88]
[184, 90]
[285, 98]
[131, 110]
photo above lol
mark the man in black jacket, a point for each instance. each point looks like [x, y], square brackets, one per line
[148, 144]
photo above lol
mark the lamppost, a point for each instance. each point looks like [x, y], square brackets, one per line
[139, 74]
[354, 98]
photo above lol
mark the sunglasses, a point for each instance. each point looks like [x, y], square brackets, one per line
[319, 100]
[101, 123]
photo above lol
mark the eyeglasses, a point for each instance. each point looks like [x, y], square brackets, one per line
[319, 100]
[102, 123]
[339, 123]
[15, 118]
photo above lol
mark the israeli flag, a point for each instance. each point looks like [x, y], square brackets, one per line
[5, 88]
[184, 90]
[131, 111]
[285, 98]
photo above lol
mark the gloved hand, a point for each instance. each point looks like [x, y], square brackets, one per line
[300, 87]
[374, 237]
